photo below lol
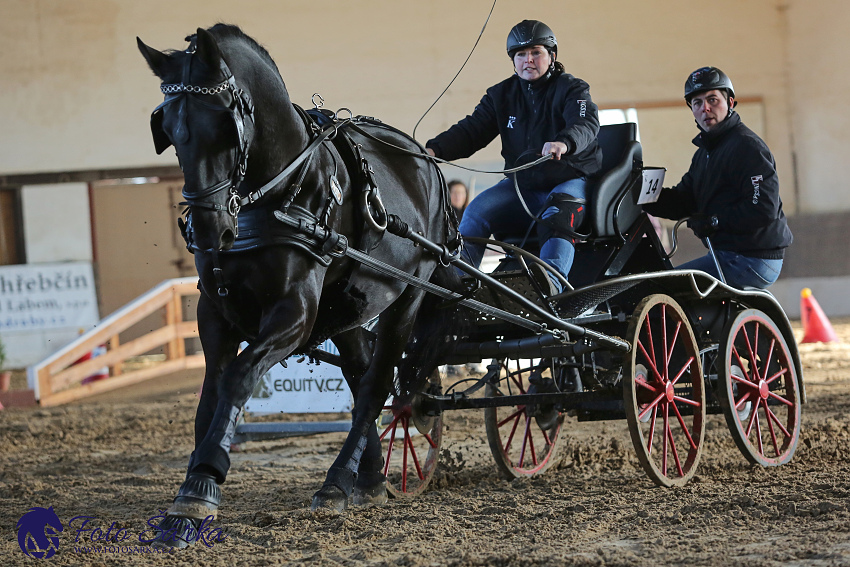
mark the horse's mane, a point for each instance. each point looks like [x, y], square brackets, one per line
[225, 32]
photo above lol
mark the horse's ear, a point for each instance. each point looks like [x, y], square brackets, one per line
[207, 49]
[156, 59]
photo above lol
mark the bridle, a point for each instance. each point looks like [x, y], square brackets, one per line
[242, 112]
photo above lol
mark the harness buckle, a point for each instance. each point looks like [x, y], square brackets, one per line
[338, 251]
[233, 206]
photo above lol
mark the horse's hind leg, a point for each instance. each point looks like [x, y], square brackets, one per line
[355, 349]
[393, 331]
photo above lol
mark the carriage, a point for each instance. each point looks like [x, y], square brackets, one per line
[307, 225]
[633, 339]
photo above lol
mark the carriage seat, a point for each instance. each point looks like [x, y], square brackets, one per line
[612, 193]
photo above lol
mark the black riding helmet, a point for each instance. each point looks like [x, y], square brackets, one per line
[707, 79]
[528, 33]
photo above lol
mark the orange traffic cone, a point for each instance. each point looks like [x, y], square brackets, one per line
[816, 327]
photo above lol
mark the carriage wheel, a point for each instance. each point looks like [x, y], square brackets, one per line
[760, 396]
[663, 391]
[525, 440]
[411, 444]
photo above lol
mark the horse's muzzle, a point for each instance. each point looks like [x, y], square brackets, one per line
[227, 239]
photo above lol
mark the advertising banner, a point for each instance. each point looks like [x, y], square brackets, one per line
[304, 386]
[36, 297]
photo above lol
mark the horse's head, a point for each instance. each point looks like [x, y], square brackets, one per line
[209, 120]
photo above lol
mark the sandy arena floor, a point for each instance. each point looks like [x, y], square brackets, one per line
[121, 458]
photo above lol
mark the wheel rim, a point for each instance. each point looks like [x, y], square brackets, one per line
[410, 454]
[663, 392]
[524, 440]
[759, 376]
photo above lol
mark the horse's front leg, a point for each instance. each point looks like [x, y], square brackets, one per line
[393, 331]
[199, 495]
[355, 349]
[282, 330]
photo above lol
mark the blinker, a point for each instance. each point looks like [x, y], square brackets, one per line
[160, 141]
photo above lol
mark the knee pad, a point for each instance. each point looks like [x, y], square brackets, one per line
[568, 217]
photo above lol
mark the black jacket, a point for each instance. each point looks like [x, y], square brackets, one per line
[555, 108]
[732, 176]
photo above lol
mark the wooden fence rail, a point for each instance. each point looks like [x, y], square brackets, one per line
[57, 379]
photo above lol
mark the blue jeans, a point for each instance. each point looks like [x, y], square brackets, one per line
[497, 210]
[740, 271]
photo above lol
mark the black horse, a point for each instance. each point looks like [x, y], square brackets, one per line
[250, 160]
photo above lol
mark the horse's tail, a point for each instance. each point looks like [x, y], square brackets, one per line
[436, 327]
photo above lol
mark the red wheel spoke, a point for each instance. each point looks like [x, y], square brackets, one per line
[772, 432]
[684, 368]
[769, 356]
[524, 441]
[684, 427]
[393, 424]
[664, 340]
[745, 382]
[673, 343]
[772, 416]
[782, 372]
[652, 405]
[742, 365]
[780, 399]
[665, 439]
[531, 445]
[693, 403]
[430, 440]
[647, 385]
[744, 399]
[675, 454]
[390, 449]
[651, 344]
[758, 431]
[409, 441]
[546, 439]
[652, 431]
[404, 457]
[651, 362]
[756, 347]
[754, 367]
[513, 430]
[753, 417]
[518, 381]
[510, 417]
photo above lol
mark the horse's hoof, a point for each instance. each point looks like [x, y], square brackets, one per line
[175, 532]
[329, 498]
[198, 497]
[365, 495]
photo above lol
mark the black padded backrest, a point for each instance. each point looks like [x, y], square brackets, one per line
[611, 213]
